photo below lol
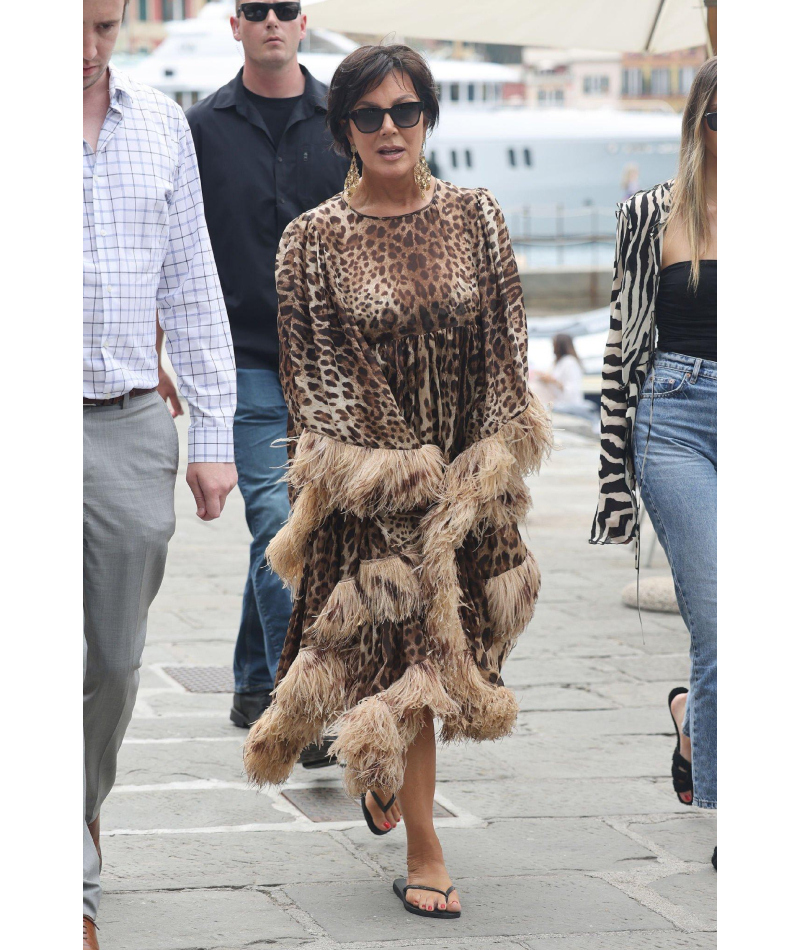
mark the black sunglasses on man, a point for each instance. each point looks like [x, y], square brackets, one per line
[256, 12]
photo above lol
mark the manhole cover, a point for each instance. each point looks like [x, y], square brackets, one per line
[331, 804]
[202, 679]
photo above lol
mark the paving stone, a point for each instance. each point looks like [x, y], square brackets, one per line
[648, 720]
[213, 726]
[530, 671]
[473, 762]
[204, 652]
[571, 756]
[660, 940]
[211, 919]
[691, 837]
[639, 694]
[207, 808]
[235, 859]
[562, 797]
[651, 668]
[175, 702]
[155, 764]
[530, 846]
[696, 893]
[560, 697]
[559, 903]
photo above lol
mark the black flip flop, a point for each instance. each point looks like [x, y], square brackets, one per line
[400, 887]
[681, 768]
[368, 817]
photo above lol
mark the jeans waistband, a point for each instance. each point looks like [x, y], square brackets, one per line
[680, 361]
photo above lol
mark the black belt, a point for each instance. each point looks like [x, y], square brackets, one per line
[117, 400]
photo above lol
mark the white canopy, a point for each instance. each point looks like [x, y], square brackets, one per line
[657, 26]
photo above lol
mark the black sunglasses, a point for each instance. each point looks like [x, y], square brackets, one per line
[405, 115]
[711, 118]
[256, 12]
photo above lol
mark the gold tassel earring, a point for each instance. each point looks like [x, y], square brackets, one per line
[353, 178]
[422, 174]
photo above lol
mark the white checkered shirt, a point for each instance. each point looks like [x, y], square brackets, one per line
[146, 249]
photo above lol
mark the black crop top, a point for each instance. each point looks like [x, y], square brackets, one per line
[687, 321]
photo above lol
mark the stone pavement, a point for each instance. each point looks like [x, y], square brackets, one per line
[565, 836]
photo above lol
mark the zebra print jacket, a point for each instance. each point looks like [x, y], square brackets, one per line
[628, 354]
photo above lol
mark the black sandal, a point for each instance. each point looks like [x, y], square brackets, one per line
[681, 768]
[400, 887]
[384, 808]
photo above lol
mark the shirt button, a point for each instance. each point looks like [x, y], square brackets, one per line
[280, 159]
[109, 290]
[104, 344]
[103, 233]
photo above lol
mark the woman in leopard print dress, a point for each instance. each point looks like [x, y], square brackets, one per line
[404, 365]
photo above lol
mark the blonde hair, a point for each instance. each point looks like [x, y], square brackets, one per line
[689, 190]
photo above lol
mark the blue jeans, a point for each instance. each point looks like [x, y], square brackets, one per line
[261, 418]
[675, 450]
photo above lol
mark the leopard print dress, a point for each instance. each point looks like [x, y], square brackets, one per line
[404, 365]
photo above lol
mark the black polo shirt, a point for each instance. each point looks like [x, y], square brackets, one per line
[252, 188]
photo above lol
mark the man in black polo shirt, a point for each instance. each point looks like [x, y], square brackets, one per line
[265, 157]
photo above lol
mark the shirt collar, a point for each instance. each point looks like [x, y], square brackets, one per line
[120, 88]
[314, 96]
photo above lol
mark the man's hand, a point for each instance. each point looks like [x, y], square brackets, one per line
[168, 392]
[211, 482]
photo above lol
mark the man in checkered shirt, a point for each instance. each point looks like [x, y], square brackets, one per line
[145, 250]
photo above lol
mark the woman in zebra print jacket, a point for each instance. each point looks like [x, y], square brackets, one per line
[658, 411]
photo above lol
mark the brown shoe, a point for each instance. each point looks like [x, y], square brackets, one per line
[89, 934]
[94, 831]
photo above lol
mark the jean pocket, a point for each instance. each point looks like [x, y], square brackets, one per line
[662, 382]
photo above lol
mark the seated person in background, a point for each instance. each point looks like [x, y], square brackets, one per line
[562, 387]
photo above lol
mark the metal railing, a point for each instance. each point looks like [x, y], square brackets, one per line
[560, 227]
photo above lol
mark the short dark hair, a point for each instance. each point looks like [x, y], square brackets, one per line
[364, 69]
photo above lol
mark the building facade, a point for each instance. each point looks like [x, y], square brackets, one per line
[660, 78]
[143, 28]
[571, 78]
[585, 79]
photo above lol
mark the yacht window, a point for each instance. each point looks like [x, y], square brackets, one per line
[454, 158]
[512, 157]
[528, 157]
[468, 158]
[454, 91]
[471, 91]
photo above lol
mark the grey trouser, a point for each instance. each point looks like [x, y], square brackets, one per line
[130, 460]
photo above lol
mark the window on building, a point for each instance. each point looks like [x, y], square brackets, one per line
[471, 91]
[632, 82]
[551, 97]
[454, 158]
[173, 10]
[142, 10]
[512, 158]
[454, 91]
[686, 78]
[468, 158]
[661, 82]
[526, 154]
[595, 85]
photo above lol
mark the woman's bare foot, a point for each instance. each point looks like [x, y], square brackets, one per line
[678, 708]
[428, 868]
[383, 820]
